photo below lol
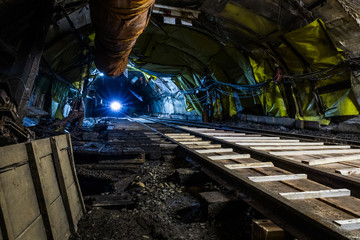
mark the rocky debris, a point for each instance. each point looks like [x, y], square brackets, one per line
[214, 202]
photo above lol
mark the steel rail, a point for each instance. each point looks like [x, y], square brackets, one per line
[300, 222]
[328, 178]
[263, 131]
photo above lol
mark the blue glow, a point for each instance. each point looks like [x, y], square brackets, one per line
[115, 106]
[101, 74]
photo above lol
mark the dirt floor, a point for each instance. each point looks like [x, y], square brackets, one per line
[157, 204]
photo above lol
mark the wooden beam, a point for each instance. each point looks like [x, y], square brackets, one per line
[316, 194]
[274, 178]
[249, 165]
[349, 224]
[215, 150]
[38, 178]
[72, 163]
[315, 152]
[62, 186]
[26, 65]
[332, 160]
[228, 157]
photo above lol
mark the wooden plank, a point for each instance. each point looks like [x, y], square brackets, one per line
[13, 154]
[348, 171]
[59, 220]
[36, 230]
[6, 226]
[72, 163]
[316, 194]
[20, 194]
[210, 146]
[315, 152]
[228, 157]
[249, 165]
[215, 150]
[349, 224]
[280, 144]
[332, 160]
[61, 181]
[274, 178]
[302, 147]
[196, 143]
[34, 161]
[249, 138]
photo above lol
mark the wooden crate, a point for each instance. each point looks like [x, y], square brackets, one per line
[40, 197]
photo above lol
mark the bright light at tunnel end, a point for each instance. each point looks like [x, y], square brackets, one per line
[115, 106]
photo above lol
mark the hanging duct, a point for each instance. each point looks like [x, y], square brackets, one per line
[118, 24]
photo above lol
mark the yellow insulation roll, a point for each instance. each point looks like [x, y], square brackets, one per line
[118, 24]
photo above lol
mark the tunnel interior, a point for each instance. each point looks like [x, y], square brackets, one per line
[142, 94]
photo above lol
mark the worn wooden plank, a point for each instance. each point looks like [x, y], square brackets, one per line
[316, 152]
[61, 181]
[45, 147]
[38, 179]
[72, 163]
[280, 143]
[226, 157]
[349, 224]
[59, 220]
[332, 160]
[348, 171]
[36, 230]
[274, 178]
[6, 226]
[302, 147]
[50, 183]
[249, 165]
[316, 194]
[13, 154]
[215, 150]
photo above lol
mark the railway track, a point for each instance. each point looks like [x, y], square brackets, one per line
[277, 179]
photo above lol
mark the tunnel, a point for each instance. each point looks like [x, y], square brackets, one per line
[143, 92]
